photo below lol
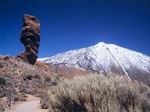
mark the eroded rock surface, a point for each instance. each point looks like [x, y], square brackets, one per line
[30, 37]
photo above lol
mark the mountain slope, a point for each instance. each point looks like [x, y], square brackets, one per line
[106, 58]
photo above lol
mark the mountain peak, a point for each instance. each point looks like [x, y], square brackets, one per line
[105, 45]
[104, 58]
[101, 44]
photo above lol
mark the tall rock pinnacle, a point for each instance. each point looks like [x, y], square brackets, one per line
[30, 37]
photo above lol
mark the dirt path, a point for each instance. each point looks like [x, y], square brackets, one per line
[31, 105]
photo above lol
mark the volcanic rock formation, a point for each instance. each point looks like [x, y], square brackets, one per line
[30, 37]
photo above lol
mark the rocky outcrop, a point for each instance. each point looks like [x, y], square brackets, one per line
[30, 37]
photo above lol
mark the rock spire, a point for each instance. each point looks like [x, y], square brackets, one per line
[30, 38]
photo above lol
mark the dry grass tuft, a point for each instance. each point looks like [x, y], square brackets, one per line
[97, 93]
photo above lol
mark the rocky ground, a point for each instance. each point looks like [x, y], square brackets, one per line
[18, 78]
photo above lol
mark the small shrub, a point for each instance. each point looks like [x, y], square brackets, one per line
[2, 93]
[28, 77]
[19, 97]
[44, 102]
[2, 109]
[47, 79]
[95, 93]
[1, 65]
[16, 98]
[23, 89]
[37, 77]
[2, 81]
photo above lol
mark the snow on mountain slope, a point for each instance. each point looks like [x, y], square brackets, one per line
[104, 58]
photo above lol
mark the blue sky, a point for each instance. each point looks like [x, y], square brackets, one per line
[72, 24]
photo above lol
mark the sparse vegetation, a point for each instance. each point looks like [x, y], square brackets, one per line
[95, 93]
[18, 78]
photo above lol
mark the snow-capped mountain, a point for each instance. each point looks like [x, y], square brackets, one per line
[105, 58]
